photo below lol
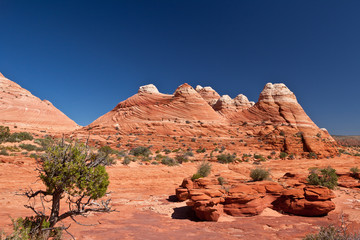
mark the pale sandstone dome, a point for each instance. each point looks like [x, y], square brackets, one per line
[209, 94]
[18, 107]
[277, 92]
[242, 100]
[150, 88]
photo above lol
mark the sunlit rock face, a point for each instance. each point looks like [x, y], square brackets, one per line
[18, 107]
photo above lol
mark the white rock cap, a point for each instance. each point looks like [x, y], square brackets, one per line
[150, 88]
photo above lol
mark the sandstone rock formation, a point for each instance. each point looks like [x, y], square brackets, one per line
[210, 200]
[18, 107]
[276, 122]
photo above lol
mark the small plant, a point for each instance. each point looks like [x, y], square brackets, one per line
[4, 133]
[28, 147]
[169, 161]
[201, 150]
[20, 136]
[203, 170]
[312, 155]
[323, 177]
[193, 140]
[226, 158]
[34, 155]
[140, 151]
[167, 151]
[259, 157]
[180, 158]
[259, 174]
[126, 161]
[283, 155]
[354, 170]
[4, 152]
[221, 181]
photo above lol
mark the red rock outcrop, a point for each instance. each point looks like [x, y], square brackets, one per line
[308, 201]
[209, 199]
[18, 107]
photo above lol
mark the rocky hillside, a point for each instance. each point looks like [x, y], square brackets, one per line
[18, 107]
[201, 118]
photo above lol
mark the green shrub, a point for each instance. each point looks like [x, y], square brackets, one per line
[226, 158]
[126, 161]
[44, 142]
[260, 157]
[323, 177]
[34, 155]
[140, 151]
[201, 150]
[20, 136]
[167, 151]
[354, 170]
[169, 161]
[4, 133]
[204, 169]
[283, 155]
[189, 153]
[29, 147]
[221, 180]
[259, 174]
[180, 158]
[196, 176]
[4, 152]
[312, 155]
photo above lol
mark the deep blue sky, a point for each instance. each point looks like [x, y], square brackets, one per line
[86, 56]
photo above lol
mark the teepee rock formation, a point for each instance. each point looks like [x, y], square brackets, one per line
[276, 122]
[18, 107]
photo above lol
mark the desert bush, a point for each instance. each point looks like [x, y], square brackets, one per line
[29, 147]
[260, 157]
[4, 133]
[226, 158]
[4, 152]
[312, 155]
[127, 160]
[140, 151]
[259, 174]
[34, 155]
[323, 177]
[283, 155]
[44, 142]
[189, 153]
[196, 176]
[20, 136]
[204, 169]
[168, 161]
[180, 158]
[221, 180]
[354, 170]
[201, 150]
[167, 151]
[331, 232]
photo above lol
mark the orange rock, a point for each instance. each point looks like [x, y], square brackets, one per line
[182, 194]
[318, 193]
[18, 107]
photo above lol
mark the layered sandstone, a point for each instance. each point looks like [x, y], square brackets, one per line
[276, 122]
[18, 107]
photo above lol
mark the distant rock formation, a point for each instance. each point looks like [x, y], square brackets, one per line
[18, 107]
[276, 122]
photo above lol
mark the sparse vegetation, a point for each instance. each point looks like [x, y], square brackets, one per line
[4, 152]
[140, 151]
[331, 232]
[312, 155]
[283, 155]
[259, 157]
[323, 177]
[226, 158]
[19, 137]
[168, 161]
[203, 170]
[4, 133]
[259, 174]
[354, 170]
[28, 147]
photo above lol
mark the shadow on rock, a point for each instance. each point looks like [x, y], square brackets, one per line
[184, 212]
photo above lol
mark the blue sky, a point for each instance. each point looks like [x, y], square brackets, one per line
[87, 56]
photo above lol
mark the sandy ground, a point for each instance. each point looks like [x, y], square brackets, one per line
[143, 198]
